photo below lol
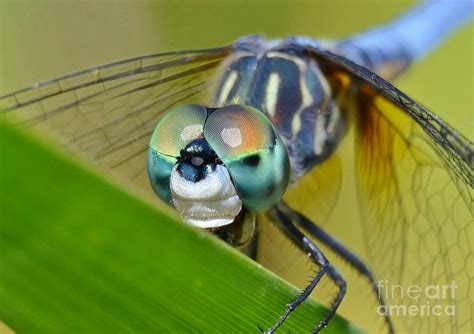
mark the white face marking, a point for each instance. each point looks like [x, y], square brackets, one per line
[232, 137]
[228, 84]
[211, 202]
[191, 132]
[271, 97]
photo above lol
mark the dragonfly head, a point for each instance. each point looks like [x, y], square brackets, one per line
[210, 163]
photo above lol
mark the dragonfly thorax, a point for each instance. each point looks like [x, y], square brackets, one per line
[287, 85]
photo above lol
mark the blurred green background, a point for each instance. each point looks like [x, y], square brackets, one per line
[44, 39]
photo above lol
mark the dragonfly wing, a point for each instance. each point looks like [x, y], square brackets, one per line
[415, 189]
[315, 194]
[107, 113]
[318, 189]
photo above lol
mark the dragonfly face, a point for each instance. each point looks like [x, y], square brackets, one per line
[211, 162]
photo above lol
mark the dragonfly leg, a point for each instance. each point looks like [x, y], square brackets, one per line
[309, 247]
[352, 259]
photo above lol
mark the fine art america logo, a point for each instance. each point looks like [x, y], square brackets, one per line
[428, 300]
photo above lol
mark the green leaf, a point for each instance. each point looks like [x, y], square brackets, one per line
[78, 254]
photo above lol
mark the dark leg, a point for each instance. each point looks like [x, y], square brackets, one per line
[318, 233]
[307, 246]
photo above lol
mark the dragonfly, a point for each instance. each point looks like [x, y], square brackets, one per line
[239, 137]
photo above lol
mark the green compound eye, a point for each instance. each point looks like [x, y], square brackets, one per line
[178, 128]
[257, 160]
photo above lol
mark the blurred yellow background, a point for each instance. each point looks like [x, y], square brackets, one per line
[44, 39]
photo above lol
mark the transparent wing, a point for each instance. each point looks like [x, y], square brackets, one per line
[107, 113]
[319, 190]
[415, 190]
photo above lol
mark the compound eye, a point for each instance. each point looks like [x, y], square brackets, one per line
[257, 160]
[178, 128]
[236, 130]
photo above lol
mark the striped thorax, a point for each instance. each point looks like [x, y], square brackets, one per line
[289, 88]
